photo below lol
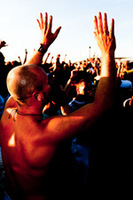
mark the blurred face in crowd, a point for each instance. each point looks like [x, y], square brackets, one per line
[80, 87]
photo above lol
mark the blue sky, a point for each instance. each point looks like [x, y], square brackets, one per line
[18, 26]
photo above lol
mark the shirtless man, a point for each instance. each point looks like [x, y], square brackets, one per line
[29, 143]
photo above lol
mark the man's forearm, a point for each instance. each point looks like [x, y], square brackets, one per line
[108, 65]
[106, 90]
[36, 59]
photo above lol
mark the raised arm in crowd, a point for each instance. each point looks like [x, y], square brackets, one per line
[47, 38]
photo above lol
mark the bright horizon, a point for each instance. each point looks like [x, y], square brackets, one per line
[18, 27]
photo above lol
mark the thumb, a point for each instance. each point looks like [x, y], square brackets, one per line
[57, 32]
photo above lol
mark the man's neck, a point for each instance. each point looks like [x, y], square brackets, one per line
[28, 110]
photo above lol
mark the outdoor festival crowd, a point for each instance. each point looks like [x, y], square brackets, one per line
[99, 160]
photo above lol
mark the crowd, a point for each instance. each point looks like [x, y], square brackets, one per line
[88, 163]
[64, 76]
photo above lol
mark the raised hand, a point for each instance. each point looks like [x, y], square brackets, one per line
[105, 38]
[3, 44]
[47, 37]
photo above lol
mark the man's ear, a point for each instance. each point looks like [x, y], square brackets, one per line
[38, 96]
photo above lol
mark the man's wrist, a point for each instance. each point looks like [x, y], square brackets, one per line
[42, 49]
[108, 54]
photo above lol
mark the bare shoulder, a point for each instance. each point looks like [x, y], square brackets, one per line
[10, 103]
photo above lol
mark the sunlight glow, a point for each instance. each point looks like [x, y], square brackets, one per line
[11, 142]
[76, 35]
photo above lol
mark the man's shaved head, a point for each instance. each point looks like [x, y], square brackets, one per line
[22, 81]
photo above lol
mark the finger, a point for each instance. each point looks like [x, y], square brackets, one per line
[50, 23]
[95, 35]
[45, 22]
[57, 32]
[105, 24]
[39, 23]
[100, 23]
[41, 20]
[112, 28]
[96, 25]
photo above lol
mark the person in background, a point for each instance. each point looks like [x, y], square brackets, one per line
[4, 69]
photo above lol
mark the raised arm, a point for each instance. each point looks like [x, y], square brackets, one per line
[106, 42]
[69, 125]
[47, 38]
[25, 58]
[3, 44]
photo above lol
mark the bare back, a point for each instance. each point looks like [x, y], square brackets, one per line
[25, 158]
